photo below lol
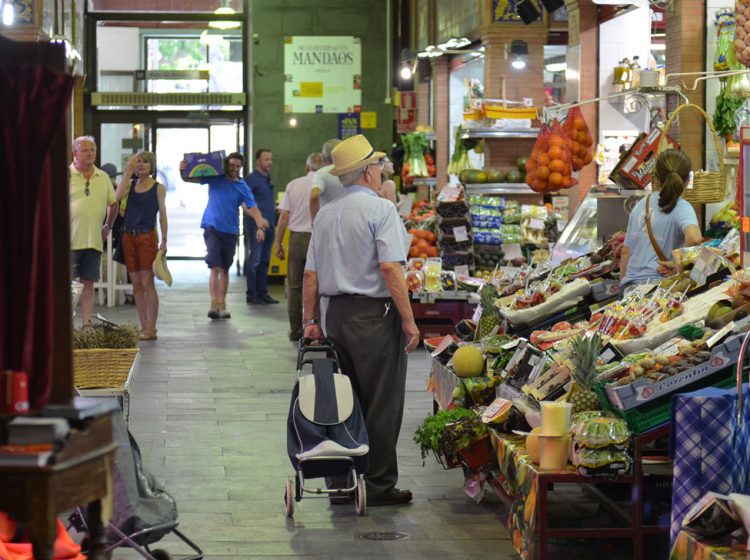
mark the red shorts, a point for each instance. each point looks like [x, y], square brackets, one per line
[140, 250]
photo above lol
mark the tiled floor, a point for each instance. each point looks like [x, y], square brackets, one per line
[209, 409]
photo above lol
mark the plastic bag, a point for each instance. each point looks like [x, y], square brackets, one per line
[581, 139]
[724, 39]
[711, 517]
[549, 167]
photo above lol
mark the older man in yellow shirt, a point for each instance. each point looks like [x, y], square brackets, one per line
[93, 208]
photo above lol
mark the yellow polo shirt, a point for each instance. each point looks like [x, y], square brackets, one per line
[87, 213]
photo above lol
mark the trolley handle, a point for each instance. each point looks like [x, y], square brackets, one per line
[306, 346]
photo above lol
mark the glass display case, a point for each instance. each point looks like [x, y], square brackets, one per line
[580, 235]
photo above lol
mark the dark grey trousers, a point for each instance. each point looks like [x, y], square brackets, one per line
[370, 344]
[298, 242]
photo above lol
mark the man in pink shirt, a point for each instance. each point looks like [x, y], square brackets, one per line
[295, 214]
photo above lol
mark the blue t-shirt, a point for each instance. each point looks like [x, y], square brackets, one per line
[262, 188]
[669, 232]
[224, 197]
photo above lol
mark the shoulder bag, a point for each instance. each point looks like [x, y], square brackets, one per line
[654, 244]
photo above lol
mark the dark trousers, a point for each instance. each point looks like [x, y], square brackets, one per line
[298, 242]
[258, 259]
[371, 350]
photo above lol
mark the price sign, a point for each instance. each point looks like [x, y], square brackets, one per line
[561, 225]
[536, 223]
[477, 314]
[512, 251]
[462, 270]
[705, 265]
[460, 233]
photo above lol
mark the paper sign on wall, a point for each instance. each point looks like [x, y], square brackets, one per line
[369, 119]
[322, 74]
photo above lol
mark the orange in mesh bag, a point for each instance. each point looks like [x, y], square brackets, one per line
[549, 167]
[581, 139]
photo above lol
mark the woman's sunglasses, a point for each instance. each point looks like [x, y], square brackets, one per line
[88, 190]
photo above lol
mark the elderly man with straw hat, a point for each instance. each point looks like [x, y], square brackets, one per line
[355, 258]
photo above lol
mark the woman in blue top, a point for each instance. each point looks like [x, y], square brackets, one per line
[673, 224]
[140, 243]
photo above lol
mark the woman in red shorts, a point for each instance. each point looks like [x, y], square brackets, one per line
[140, 241]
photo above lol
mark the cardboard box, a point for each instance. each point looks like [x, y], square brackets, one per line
[636, 165]
[204, 165]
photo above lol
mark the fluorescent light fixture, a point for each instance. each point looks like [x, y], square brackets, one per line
[556, 67]
[9, 14]
[518, 63]
[224, 10]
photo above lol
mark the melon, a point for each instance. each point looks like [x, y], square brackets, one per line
[468, 361]
[495, 175]
[521, 164]
[514, 176]
[532, 444]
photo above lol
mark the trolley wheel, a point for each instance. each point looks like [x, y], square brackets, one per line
[289, 498]
[360, 497]
[160, 554]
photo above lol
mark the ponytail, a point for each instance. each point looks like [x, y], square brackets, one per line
[673, 172]
[671, 190]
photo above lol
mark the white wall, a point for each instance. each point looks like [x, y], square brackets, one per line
[627, 35]
[456, 93]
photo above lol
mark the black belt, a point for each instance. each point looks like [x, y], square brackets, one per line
[137, 231]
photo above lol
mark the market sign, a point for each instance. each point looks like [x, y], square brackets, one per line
[322, 74]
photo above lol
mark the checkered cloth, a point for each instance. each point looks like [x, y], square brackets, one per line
[702, 431]
[741, 449]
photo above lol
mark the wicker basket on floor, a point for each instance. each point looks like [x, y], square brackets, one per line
[102, 367]
[708, 186]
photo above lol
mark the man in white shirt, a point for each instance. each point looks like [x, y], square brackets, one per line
[326, 186]
[295, 214]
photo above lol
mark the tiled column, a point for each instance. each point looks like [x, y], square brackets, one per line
[441, 88]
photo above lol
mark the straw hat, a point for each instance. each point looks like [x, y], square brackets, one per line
[160, 268]
[353, 153]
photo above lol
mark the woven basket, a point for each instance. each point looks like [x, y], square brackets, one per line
[102, 367]
[708, 186]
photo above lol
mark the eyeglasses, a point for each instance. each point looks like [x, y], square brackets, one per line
[380, 163]
[88, 190]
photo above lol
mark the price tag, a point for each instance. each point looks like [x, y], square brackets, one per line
[512, 251]
[477, 314]
[536, 223]
[460, 233]
[706, 264]
[462, 270]
[528, 101]
[561, 225]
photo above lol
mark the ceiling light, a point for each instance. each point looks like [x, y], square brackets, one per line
[292, 122]
[527, 12]
[553, 67]
[405, 72]
[224, 10]
[518, 63]
[9, 13]
[552, 5]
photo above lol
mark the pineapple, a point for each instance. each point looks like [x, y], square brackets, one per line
[488, 321]
[585, 353]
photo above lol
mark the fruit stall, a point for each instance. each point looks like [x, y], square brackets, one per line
[562, 335]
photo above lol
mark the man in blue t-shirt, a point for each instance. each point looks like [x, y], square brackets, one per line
[221, 225]
[259, 252]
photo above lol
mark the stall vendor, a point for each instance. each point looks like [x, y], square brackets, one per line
[658, 225]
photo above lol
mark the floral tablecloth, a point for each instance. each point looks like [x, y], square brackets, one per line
[521, 484]
[689, 547]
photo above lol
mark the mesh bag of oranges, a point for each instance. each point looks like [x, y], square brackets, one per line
[581, 140]
[550, 165]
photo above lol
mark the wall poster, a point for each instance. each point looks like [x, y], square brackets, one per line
[322, 74]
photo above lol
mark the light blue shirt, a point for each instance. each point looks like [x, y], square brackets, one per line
[669, 232]
[351, 236]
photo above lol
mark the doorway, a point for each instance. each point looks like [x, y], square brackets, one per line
[171, 138]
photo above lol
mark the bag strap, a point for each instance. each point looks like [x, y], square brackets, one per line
[654, 244]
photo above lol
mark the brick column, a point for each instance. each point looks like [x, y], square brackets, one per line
[440, 104]
[583, 33]
[686, 38]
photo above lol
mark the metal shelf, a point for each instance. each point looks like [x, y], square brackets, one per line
[499, 188]
[429, 181]
[500, 133]
[614, 189]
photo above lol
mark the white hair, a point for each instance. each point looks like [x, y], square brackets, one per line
[80, 140]
[351, 178]
[314, 161]
[328, 148]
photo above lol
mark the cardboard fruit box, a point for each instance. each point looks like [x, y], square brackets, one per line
[204, 165]
[636, 165]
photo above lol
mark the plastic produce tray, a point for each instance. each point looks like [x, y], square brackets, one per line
[655, 414]
[642, 390]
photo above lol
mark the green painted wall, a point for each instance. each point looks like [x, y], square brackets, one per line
[274, 19]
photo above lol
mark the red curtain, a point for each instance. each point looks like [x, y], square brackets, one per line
[33, 102]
